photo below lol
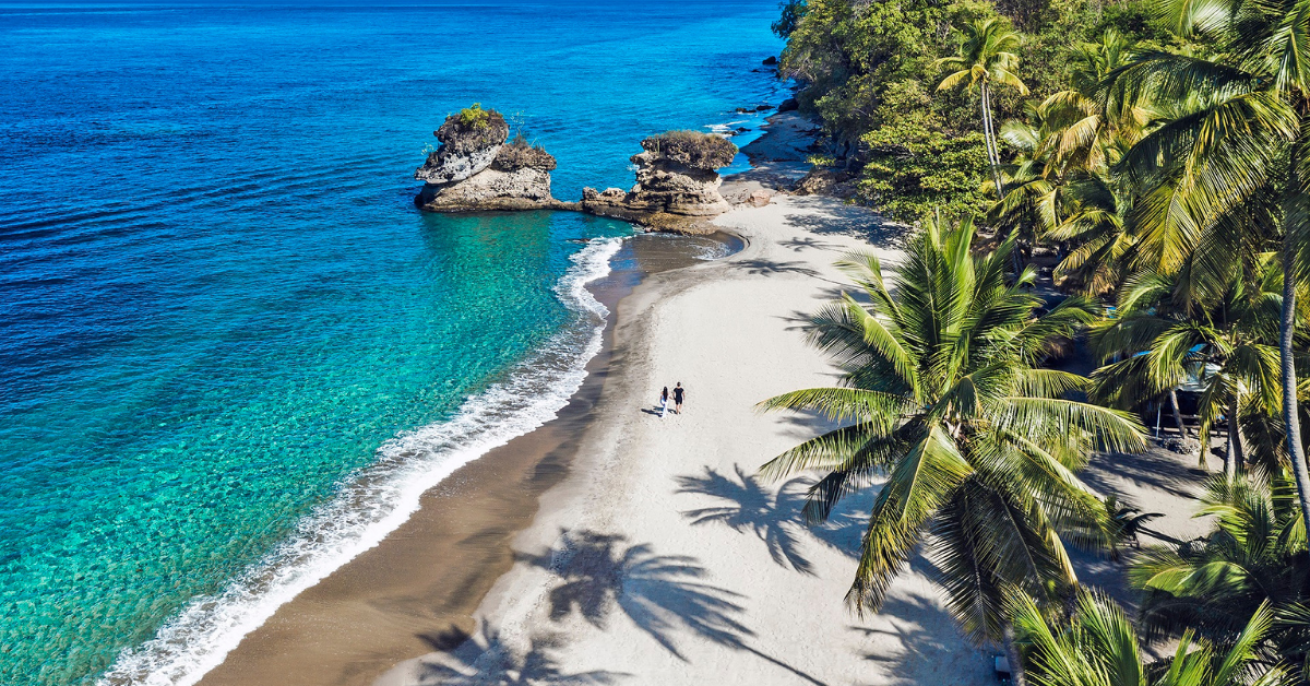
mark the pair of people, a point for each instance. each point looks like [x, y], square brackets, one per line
[678, 394]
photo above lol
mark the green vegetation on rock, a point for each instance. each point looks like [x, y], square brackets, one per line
[475, 117]
[692, 148]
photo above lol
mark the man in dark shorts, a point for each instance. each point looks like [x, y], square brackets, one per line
[678, 392]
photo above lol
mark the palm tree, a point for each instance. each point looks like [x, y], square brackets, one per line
[1060, 180]
[1095, 223]
[1098, 646]
[1242, 145]
[942, 394]
[1168, 334]
[986, 57]
[1254, 557]
[1091, 125]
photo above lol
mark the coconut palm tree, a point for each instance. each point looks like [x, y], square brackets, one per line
[1254, 557]
[943, 395]
[1094, 222]
[986, 57]
[1242, 143]
[1165, 334]
[1090, 124]
[1060, 181]
[1098, 646]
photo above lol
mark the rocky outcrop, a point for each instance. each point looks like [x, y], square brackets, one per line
[677, 183]
[474, 169]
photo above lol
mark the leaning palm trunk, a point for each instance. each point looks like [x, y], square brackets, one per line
[994, 161]
[1231, 453]
[1178, 416]
[989, 135]
[1287, 377]
[1015, 659]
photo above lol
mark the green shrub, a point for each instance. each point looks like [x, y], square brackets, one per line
[475, 117]
[693, 148]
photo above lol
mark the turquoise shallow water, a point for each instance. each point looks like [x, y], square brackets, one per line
[230, 348]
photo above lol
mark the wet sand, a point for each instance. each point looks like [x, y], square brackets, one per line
[416, 591]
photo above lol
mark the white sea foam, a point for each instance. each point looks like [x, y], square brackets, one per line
[382, 497]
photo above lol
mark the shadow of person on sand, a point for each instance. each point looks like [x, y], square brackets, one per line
[487, 661]
[661, 594]
[775, 516]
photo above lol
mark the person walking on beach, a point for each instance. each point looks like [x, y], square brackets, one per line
[678, 393]
[664, 402]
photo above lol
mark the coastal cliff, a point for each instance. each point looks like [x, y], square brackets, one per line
[677, 183]
[474, 169]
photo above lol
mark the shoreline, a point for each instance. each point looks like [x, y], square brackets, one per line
[660, 559]
[314, 638]
[416, 589]
[473, 581]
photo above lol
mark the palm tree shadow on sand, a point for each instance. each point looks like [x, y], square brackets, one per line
[662, 594]
[488, 661]
[774, 516]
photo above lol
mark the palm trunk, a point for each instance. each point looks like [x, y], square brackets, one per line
[989, 135]
[1017, 677]
[1239, 447]
[1287, 371]
[1230, 453]
[1178, 417]
[994, 161]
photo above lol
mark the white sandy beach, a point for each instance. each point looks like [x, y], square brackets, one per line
[661, 560]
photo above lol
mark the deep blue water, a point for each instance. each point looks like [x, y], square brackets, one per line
[228, 341]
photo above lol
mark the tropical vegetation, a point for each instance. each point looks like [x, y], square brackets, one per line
[944, 393]
[1152, 158]
[1097, 645]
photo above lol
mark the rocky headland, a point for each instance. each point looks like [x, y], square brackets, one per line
[677, 185]
[475, 169]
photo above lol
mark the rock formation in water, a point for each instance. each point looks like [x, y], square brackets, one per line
[474, 169]
[677, 183]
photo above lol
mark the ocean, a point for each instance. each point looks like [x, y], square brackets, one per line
[232, 352]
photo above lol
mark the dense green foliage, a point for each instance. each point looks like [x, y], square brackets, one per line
[1097, 645]
[869, 72]
[944, 396]
[1254, 556]
[1162, 157]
